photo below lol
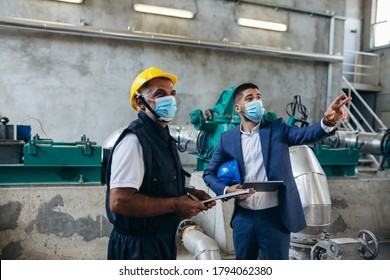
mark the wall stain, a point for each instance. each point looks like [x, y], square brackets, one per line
[339, 203]
[338, 225]
[51, 221]
[9, 215]
[12, 251]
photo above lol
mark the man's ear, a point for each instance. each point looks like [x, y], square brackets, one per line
[140, 105]
[237, 108]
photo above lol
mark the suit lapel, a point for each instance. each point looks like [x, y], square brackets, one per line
[238, 149]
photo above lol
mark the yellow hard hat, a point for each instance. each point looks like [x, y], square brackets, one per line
[144, 77]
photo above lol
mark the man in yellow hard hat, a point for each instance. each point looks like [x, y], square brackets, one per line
[146, 194]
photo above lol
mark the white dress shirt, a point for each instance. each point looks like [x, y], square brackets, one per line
[255, 171]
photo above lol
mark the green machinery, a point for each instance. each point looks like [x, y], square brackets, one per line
[337, 162]
[341, 153]
[338, 155]
[211, 124]
[48, 162]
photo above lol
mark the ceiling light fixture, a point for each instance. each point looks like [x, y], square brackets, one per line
[71, 1]
[158, 10]
[262, 24]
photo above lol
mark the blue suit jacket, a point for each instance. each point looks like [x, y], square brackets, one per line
[275, 137]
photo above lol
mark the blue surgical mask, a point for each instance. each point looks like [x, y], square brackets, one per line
[254, 110]
[166, 107]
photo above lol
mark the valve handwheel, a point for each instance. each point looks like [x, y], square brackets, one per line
[370, 249]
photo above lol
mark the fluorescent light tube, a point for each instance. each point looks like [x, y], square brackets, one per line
[71, 1]
[262, 24]
[158, 10]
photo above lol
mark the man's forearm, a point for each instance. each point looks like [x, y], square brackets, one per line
[135, 204]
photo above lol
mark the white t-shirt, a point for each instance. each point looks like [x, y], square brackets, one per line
[127, 167]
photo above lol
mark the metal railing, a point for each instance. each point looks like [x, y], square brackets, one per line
[358, 112]
[361, 67]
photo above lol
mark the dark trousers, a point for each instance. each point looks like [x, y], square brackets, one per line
[255, 230]
[148, 246]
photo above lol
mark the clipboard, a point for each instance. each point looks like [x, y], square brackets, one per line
[227, 195]
[265, 186]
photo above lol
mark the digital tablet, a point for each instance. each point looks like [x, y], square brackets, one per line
[265, 186]
[227, 195]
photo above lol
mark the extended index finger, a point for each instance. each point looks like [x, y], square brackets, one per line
[338, 98]
[345, 101]
[338, 101]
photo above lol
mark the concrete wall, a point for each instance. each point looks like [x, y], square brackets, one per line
[78, 85]
[53, 222]
[366, 28]
[382, 107]
[384, 70]
[360, 204]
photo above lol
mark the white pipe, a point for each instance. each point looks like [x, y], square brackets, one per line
[201, 246]
[188, 136]
[64, 28]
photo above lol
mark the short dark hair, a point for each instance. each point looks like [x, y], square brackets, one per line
[238, 91]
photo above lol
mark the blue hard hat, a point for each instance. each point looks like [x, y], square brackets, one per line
[229, 174]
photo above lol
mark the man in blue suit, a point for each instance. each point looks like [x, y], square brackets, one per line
[264, 220]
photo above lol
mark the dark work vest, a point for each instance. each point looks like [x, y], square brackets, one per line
[164, 176]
